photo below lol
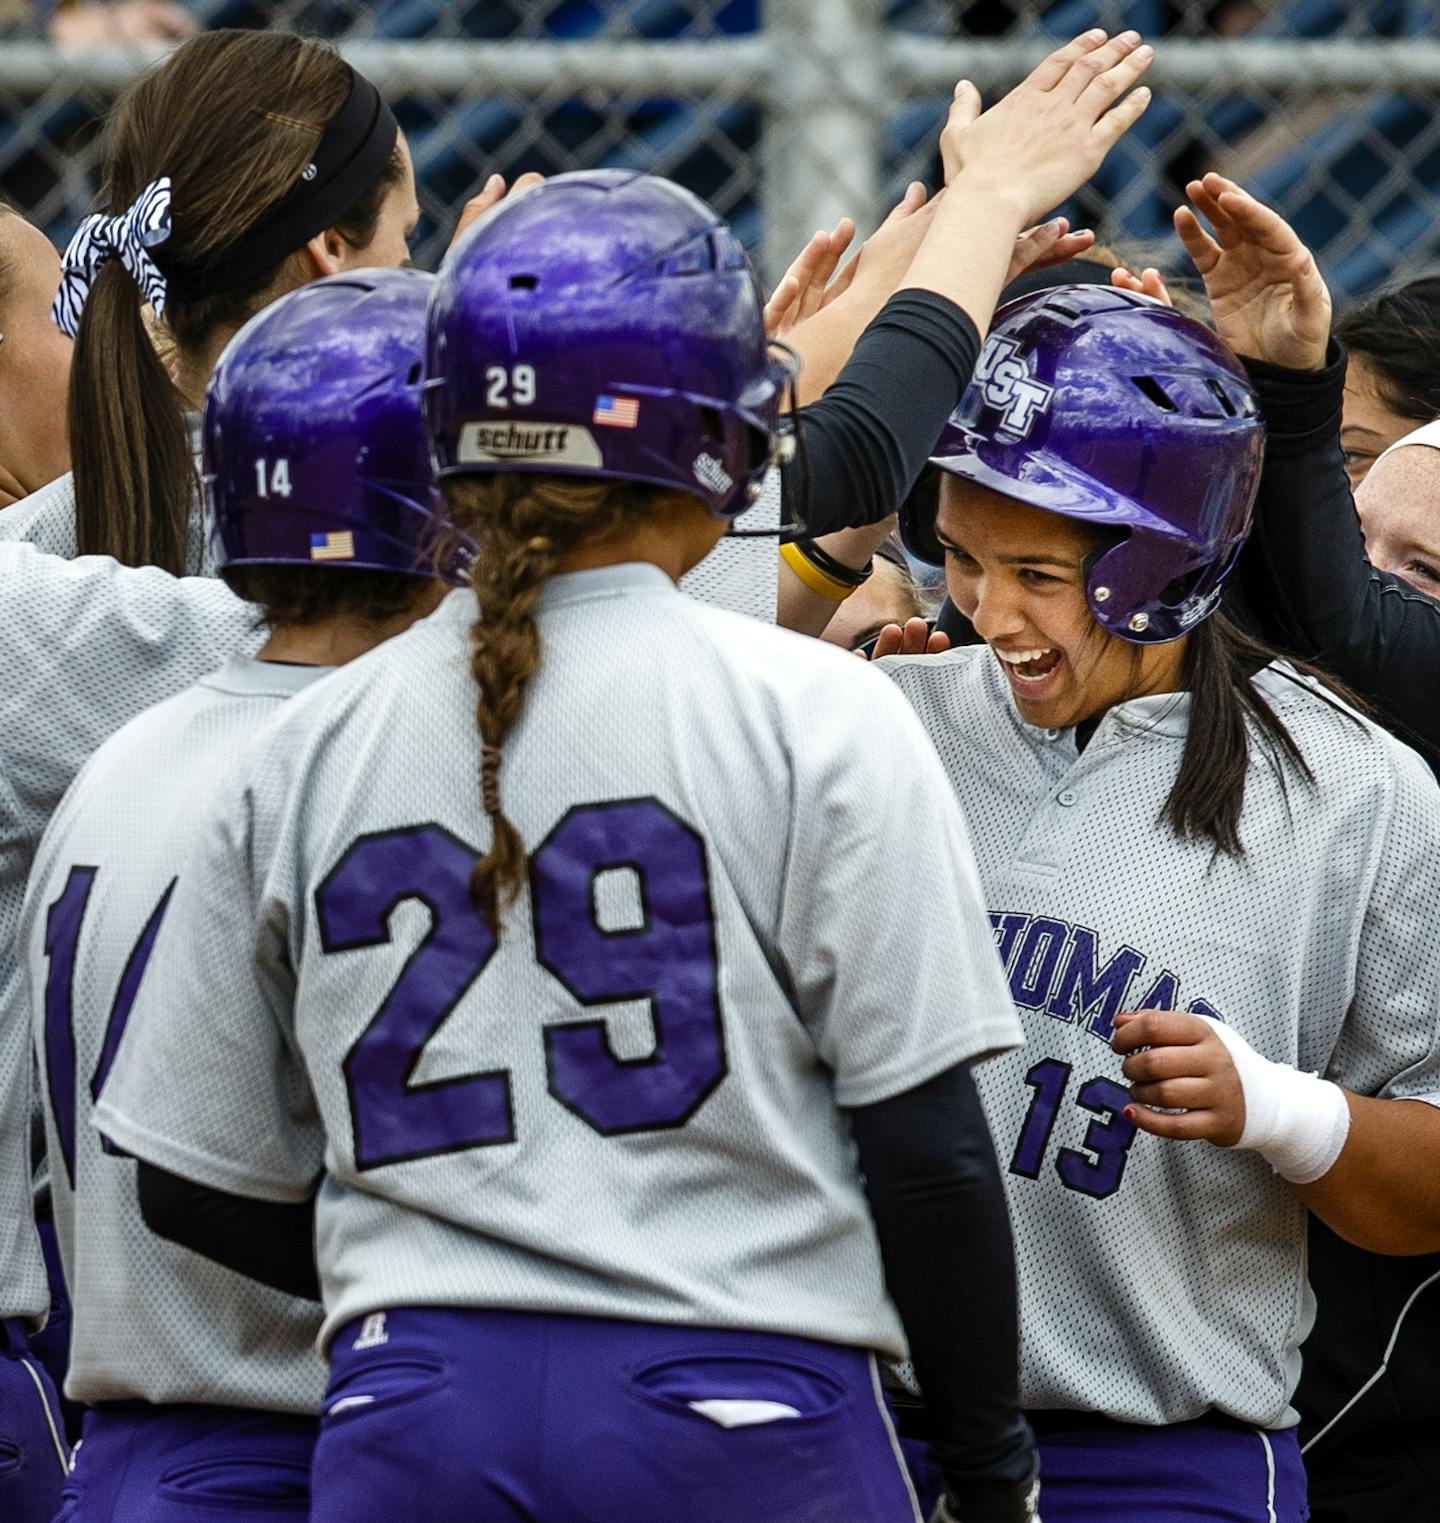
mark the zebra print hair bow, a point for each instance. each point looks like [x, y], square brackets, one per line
[128, 238]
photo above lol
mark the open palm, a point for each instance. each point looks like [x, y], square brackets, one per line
[1267, 296]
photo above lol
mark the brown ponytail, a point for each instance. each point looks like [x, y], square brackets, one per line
[232, 118]
[523, 526]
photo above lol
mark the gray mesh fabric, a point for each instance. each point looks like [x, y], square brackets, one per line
[741, 573]
[151, 1321]
[1161, 1279]
[85, 646]
[836, 984]
[46, 519]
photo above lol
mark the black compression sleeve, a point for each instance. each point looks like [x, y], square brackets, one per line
[939, 1207]
[260, 1239]
[867, 439]
[1304, 573]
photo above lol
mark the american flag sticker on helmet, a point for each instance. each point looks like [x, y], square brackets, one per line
[617, 412]
[333, 547]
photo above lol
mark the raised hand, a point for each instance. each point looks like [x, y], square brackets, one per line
[1149, 282]
[1049, 135]
[807, 287]
[491, 194]
[128, 23]
[1267, 296]
[915, 639]
[885, 255]
[1037, 248]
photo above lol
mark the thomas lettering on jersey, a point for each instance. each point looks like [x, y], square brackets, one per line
[1061, 969]
[531, 443]
[1008, 384]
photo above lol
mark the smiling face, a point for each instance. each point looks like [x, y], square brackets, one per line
[1018, 575]
[1399, 508]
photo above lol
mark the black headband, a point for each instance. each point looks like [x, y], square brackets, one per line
[350, 157]
[1074, 272]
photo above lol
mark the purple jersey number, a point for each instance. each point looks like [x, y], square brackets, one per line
[1107, 1139]
[63, 923]
[392, 1117]
[668, 960]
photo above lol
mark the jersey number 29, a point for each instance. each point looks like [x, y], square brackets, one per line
[668, 960]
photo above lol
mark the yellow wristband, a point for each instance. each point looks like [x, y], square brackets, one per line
[812, 576]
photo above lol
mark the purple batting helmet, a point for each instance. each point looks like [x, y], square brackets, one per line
[1110, 408]
[315, 447]
[604, 324]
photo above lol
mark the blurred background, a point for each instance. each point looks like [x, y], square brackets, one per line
[786, 114]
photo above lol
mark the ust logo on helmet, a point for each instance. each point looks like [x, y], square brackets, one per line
[528, 443]
[1007, 382]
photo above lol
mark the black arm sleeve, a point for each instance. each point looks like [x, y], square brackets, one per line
[867, 439]
[1304, 575]
[939, 1206]
[260, 1239]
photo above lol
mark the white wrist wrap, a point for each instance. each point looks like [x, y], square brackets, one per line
[1297, 1122]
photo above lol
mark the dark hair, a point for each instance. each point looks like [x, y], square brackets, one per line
[232, 118]
[300, 595]
[1397, 334]
[522, 526]
[1228, 716]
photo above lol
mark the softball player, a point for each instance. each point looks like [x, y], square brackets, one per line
[203, 1385]
[1167, 822]
[85, 645]
[603, 1147]
[245, 163]
[600, 1139]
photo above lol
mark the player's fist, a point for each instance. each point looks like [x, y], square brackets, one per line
[1020, 1505]
[1180, 1062]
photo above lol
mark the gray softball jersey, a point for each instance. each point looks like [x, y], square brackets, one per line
[151, 1321]
[1161, 1279]
[46, 518]
[630, 1107]
[87, 644]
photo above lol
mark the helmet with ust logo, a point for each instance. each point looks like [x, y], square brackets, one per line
[1111, 408]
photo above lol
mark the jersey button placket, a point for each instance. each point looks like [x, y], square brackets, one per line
[1047, 842]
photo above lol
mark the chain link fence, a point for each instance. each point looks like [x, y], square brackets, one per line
[789, 114]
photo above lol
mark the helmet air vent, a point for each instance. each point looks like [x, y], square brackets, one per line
[1149, 387]
[1221, 396]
